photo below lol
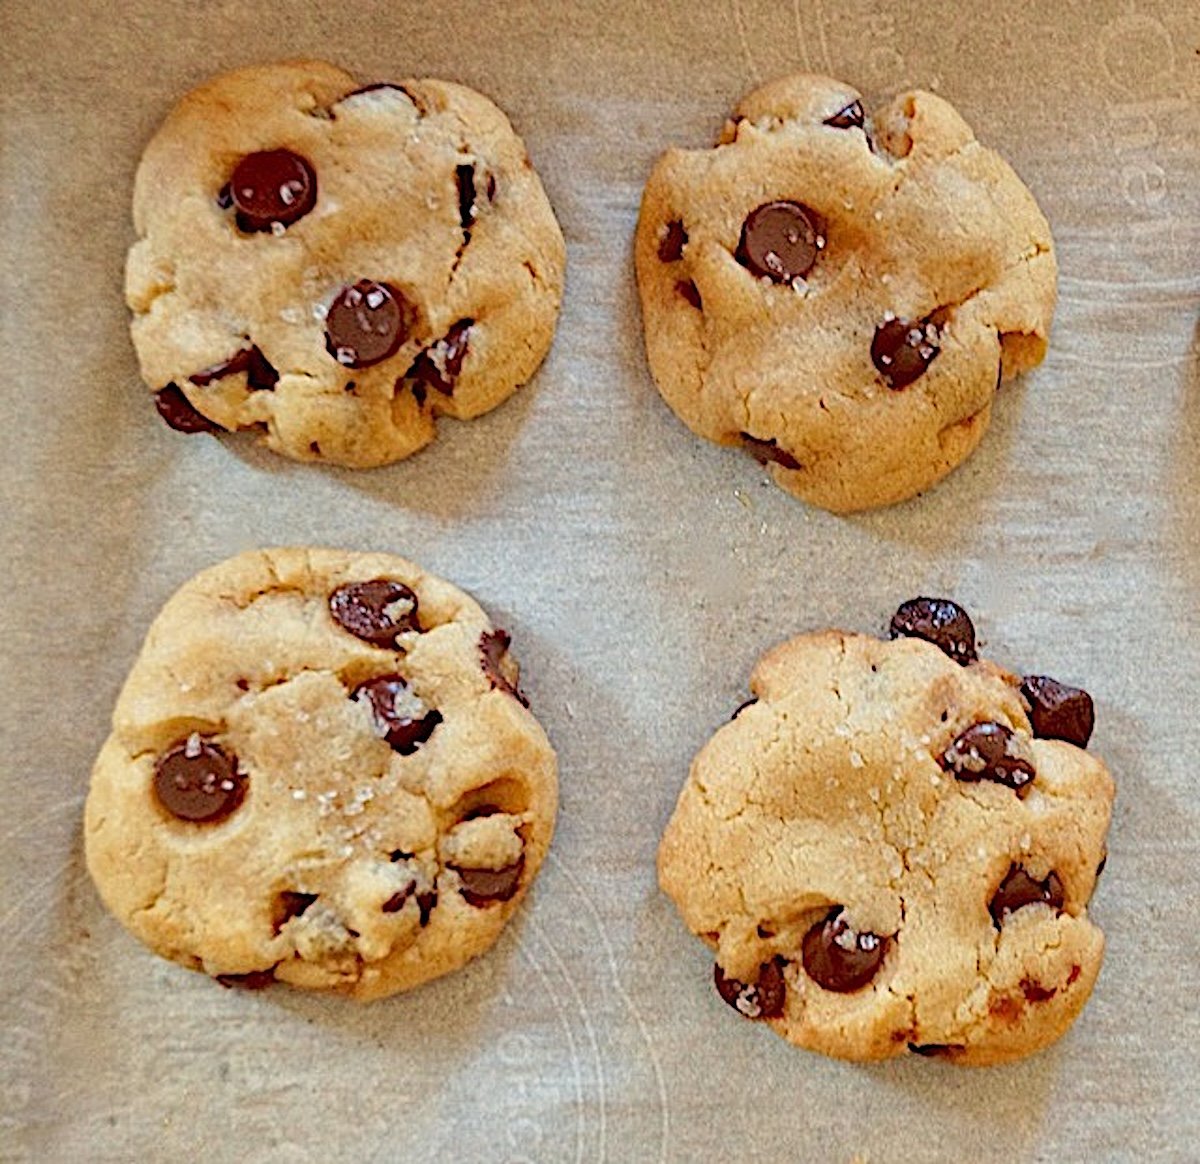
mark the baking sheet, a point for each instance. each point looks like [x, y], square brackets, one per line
[641, 573]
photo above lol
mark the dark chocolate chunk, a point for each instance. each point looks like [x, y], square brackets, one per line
[690, 293]
[768, 452]
[935, 1050]
[493, 648]
[439, 365]
[1057, 711]
[903, 349]
[465, 176]
[839, 958]
[780, 241]
[989, 751]
[938, 621]
[375, 611]
[197, 780]
[482, 887]
[260, 375]
[1018, 890]
[395, 903]
[1036, 992]
[761, 999]
[254, 980]
[849, 118]
[670, 247]
[400, 717]
[180, 413]
[273, 186]
[425, 905]
[367, 323]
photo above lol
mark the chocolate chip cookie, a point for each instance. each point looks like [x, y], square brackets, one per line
[334, 265]
[322, 771]
[892, 847]
[841, 293]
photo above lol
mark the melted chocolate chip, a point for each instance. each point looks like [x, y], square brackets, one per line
[465, 176]
[761, 999]
[180, 413]
[439, 365]
[366, 323]
[482, 887]
[938, 621]
[849, 118]
[688, 291]
[1036, 992]
[768, 452]
[903, 349]
[1018, 890]
[290, 904]
[989, 751]
[269, 187]
[780, 241]
[839, 958]
[493, 646]
[400, 717]
[935, 1050]
[199, 781]
[1057, 711]
[375, 611]
[670, 247]
[425, 905]
[260, 375]
[255, 980]
[395, 903]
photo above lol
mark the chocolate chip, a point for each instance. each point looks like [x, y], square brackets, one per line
[375, 611]
[1057, 711]
[425, 905]
[748, 703]
[688, 291]
[768, 452]
[260, 375]
[1100, 867]
[481, 887]
[989, 751]
[439, 365]
[1018, 890]
[255, 980]
[839, 958]
[271, 186]
[180, 413]
[465, 176]
[493, 646]
[903, 349]
[395, 903]
[935, 1050]
[849, 118]
[400, 717]
[938, 621]
[761, 999]
[780, 241]
[290, 904]
[670, 247]
[1036, 992]
[366, 323]
[199, 781]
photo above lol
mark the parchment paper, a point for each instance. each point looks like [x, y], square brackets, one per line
[641, 572]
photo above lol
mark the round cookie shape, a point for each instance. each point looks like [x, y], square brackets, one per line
[844, 288]
[333, 266]
[321, 772]
[886, 857]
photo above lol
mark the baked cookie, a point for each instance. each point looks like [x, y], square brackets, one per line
[335, 265]
[892, 847]
[841, 294]
[321, 772]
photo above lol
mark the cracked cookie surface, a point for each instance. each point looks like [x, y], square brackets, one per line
[841, 294]
[885, 858]
[333, 266]
[321, 772]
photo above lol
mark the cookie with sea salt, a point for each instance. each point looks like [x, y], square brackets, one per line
[841, 292]
[322, 771]
[892, 847]
[333, 265]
